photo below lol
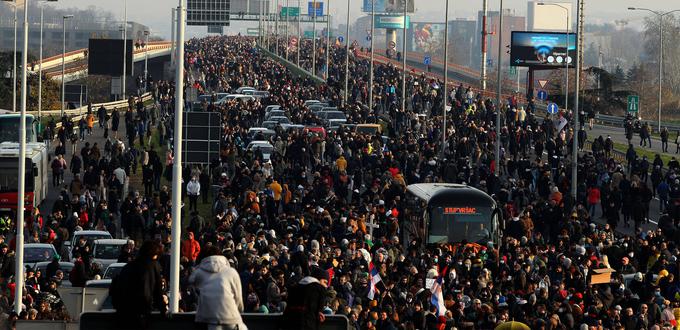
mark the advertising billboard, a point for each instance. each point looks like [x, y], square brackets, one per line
[105, 57]
[542, 49]
[427, 37]
[388, 6]
[390, 21]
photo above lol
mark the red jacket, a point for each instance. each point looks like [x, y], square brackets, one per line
[191, 248]
[593, 195]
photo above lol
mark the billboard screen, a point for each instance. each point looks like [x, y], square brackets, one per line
[427, 38]
[105, 57]
[388, 6]
[208, 12]
[542, 49]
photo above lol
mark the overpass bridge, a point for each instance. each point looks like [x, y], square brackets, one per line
[75, 62]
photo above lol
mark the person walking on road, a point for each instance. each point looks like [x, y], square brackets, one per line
[137, 290]
[664, 139]
[220, 295]
[193, 190]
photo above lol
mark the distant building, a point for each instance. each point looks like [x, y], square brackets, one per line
[77, 35]
[511, 22]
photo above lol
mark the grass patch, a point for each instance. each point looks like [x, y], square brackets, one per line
[622, 147]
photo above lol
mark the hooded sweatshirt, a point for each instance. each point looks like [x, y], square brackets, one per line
[220, 298]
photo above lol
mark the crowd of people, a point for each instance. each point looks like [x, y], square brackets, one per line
[294, 232]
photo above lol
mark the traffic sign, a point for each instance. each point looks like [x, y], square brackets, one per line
[542, 95]
[368, 38]
[542, 83]
[427, 60]
[341, 39]
[393, 45]
[553, 108]
[633, 103]
[290, 11]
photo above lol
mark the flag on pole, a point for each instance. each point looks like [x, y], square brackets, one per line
[437, 299]
[374, 279]
[331, 273]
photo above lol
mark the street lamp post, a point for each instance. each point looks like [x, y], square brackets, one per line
[14, 65]
[499, 106]
[328, 35]
[566, 57]
[660, 15]
[446, 74]
[40, 77]
[146, 60]
[298, 44]
[124, 48]
[403, 59]
[176, 229]
[19, 271]
[346, 98]
[370, 75]
[63, 62]
[314, 38]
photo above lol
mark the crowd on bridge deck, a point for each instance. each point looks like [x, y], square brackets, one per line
[302, 218]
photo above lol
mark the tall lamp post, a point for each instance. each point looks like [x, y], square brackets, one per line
[63, 62]
[40, 77]
[445, 89]
[499, 105]
[14, 65]
[660, 15]
[146, 60]
[122, 85]
[176, 229]
[346, 98]
[566, 59]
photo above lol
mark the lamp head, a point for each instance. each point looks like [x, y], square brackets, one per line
[68, 16]
[632, 8]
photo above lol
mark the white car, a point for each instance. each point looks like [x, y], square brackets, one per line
[242, 89]
[89, 235]
[265, 147]
[38, 252]
[113, 270]
[107, 251]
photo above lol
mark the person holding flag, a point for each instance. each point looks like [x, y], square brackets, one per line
[374, 278]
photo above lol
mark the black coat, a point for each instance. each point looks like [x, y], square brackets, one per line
[305, 301]
[137, 290]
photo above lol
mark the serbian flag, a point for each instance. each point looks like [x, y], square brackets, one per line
[437, 299]
[374, 279]
[331, 273]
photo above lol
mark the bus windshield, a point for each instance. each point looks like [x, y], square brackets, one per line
[9, 175]
[9, 129]
[455, 224]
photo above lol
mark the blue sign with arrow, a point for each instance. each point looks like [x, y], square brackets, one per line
[552, 108]
[341, 39]
[542, 95]
[427, 60]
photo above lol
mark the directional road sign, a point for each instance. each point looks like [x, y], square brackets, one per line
[633, 103]
[542, 95]
[427, 60]
[553, 108]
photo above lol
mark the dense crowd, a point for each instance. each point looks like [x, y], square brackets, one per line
[307, 210]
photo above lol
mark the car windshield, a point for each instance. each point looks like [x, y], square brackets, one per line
[112, 272]
[335, 115]
[91, 237]
[281, 120]
[107, 251]
[266, 149]
[37, 254]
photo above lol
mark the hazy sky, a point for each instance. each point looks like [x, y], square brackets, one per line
[156, 13]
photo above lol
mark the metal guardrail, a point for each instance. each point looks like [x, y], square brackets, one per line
[83, 110]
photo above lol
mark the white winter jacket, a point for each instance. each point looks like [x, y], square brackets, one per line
[220, 299]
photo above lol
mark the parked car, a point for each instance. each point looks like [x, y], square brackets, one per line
[265, 147]
[38, 252]
[88, 235]
[113, 270]
[107, 251]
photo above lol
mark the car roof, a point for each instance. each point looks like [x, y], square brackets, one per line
[112, 241]
[61, 263]
[259, 142]
[117, 264]
[39, 246]
[91, 232]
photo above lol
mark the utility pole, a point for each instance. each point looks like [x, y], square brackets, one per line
[346, 98]
[403, 60]
[445, 91]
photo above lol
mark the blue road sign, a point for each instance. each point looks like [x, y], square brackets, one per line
[341, 39]
[427, 60]
[542, 95]
[368, 38]
[553, 108]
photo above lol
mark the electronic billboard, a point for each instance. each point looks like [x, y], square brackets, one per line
[388, 6]
[542, 49]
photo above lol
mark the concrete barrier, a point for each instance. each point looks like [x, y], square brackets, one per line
[108, 321]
